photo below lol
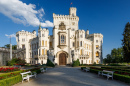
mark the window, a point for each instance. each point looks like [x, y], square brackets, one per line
[97, 46]
[81, 36]
[42, 42]
[23, 40]
[96, 41]
[73, 44]
[77, 43]
[23, 46]
[97, 54]
[42, 51]
[73, 14]
[50, 44]
[42, 35]
[81, 43]
[62, 39]
[46, 43]
[81, 52]
[46, 52]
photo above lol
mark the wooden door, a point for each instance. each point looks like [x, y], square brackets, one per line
[62, 59]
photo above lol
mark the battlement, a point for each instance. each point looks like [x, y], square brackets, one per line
[80, 31]
[97, 35]
[66, 17]
[25, 33]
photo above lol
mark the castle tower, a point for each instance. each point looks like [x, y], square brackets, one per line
[72, 11]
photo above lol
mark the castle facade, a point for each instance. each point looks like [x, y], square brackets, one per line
[67, 44]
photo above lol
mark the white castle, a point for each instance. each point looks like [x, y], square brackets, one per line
[66, 45]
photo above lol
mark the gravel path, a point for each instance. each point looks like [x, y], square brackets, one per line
[69, 76]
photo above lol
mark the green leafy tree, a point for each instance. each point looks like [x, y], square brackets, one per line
[14, 47]
[126, 43]
[116, 56]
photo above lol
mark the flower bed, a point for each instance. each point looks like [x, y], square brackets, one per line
[9, 79]
[8, 69]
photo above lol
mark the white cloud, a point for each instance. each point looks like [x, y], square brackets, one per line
[20, 12]
[12, 35]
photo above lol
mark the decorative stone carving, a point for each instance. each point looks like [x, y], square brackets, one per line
[62, 26]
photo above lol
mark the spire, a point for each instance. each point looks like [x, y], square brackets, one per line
[40, 26]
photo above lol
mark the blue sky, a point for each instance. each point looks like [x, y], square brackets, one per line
[99, 16]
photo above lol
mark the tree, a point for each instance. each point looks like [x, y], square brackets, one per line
[116, 56]
[126, 43]
[14, 47]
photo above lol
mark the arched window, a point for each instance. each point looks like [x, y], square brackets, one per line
[97, 54]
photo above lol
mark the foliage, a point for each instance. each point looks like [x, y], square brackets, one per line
[9, 69]
[116, 56]
[14, 47]
[16, 61]
[126, 43]
[11, 81]
[76, 63]
[49, 63]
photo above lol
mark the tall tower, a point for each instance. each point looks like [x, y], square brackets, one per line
[72, 11]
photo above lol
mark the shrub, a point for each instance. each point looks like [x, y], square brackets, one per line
[76, 63]
[49, 63]
[11, 81]
[16, 61]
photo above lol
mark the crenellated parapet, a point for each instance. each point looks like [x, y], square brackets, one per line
[25, 33]
[65, 17]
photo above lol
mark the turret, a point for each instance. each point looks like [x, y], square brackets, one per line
[72, 11]
[87, 33]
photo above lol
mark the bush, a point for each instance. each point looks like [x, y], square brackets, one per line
[16, 61]
[11, 81]
[49, 63]
[76, 63]
[124, 78]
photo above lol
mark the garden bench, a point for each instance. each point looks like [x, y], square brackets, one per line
[27, 75]
[86, 69]
[106, 73]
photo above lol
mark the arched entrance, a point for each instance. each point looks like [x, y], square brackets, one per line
[62, 59]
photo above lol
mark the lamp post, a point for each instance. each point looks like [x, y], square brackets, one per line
[10, 49]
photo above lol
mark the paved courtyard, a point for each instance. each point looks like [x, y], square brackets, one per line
[68, 76]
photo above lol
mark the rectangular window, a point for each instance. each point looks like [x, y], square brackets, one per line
[81, 43]
[73, 44]
[23, 46]
[46, 52]
[42, 51]
[42, 43]
[77, 43]
[46, 43]
[97, 46]
[50, 44]
[96, 41]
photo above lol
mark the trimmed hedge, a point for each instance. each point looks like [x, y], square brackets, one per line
[11, 81]
[123, 78]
